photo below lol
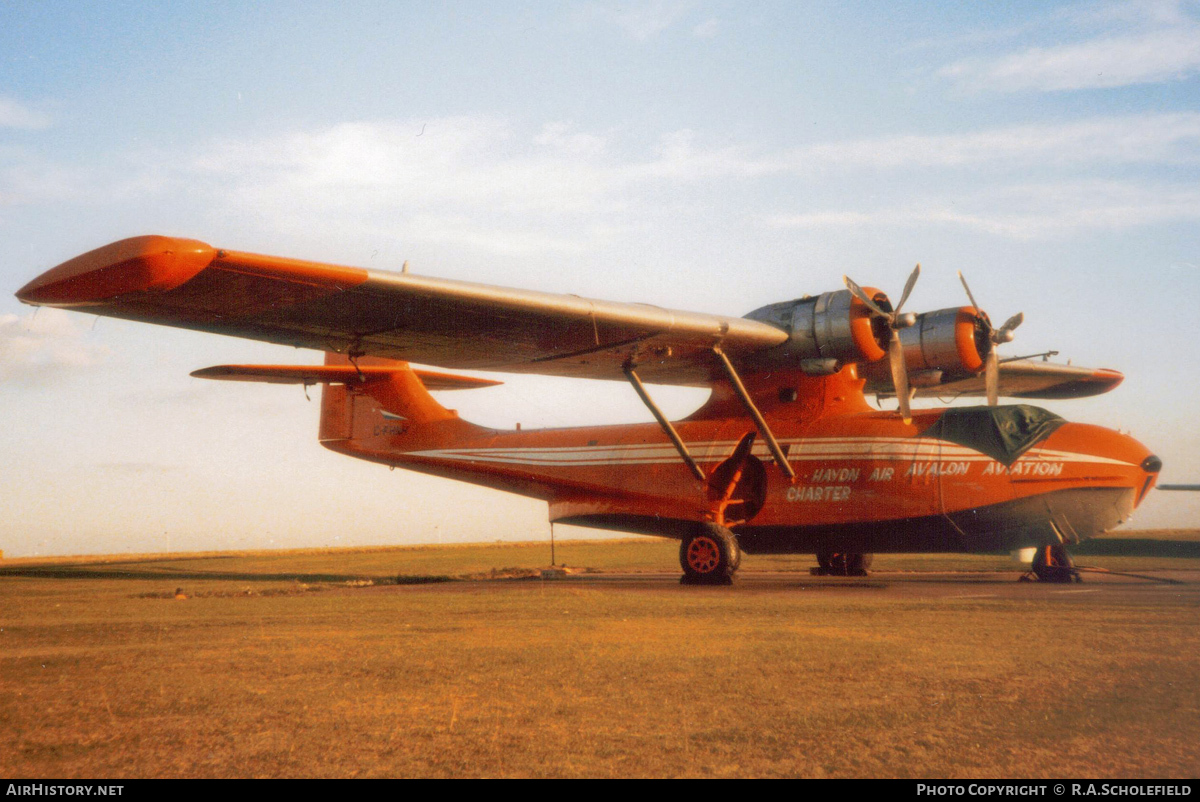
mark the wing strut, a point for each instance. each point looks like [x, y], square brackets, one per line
[759, 421]
[631, 374]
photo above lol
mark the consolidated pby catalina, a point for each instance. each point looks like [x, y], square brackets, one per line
[786, 455]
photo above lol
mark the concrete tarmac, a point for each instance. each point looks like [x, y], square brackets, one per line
[1096, 586]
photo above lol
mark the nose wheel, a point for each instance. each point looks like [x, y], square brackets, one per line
[709, 556]
[1053, 564]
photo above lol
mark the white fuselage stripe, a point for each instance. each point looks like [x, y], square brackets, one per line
[819, 449]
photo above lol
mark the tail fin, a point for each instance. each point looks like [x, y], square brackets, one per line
[391, 384]
[388, 386]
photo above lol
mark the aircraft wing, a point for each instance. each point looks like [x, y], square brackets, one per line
[1018, 379]
[454, 324]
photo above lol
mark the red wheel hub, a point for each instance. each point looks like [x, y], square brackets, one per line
[703, 555]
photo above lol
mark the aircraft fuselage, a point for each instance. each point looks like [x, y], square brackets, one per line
[865, 480]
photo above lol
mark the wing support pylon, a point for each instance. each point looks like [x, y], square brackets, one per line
[676, 440]
[763, 429]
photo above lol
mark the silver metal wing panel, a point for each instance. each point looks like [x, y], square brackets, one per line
[463, 325]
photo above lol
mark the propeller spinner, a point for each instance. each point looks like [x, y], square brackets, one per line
[995, 337]
[896, 321]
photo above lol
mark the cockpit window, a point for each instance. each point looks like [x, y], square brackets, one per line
[1003, 433]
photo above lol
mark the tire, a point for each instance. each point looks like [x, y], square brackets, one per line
[1054, 564]
[709, 556]
[844, 563]
[857, 564]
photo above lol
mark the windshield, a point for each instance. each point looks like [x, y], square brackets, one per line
[1003, 433]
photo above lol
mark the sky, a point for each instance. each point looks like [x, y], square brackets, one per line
[709, 156]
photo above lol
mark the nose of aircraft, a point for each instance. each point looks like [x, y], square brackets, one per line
[1151, 465]
[1114, 473]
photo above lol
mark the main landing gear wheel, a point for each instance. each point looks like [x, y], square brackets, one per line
[709, 556]
[843, 564]
[1053, 564]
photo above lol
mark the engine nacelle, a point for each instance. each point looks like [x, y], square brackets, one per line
[953, 341]
[827, 330]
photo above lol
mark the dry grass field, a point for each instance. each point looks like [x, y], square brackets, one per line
[288, 665]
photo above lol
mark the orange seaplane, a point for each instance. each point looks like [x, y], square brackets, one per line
[786, 456]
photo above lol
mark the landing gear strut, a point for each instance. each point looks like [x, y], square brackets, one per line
[843, 564]
[709, 556]
[1053, 564]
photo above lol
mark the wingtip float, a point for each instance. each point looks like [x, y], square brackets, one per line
[785, 457]
[135, 265]
[153, 266]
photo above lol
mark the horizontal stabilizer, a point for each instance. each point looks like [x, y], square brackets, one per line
[337, 374]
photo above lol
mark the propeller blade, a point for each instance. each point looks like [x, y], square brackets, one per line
[968, 289]
[992, 377]
[1005, 333]
[996, 337]
[861, 295]
[908, 286]
[896, 321]
[899, 375]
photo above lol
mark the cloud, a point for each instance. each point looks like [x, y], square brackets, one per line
[132, 468]
[640, 20]
[486, 185]
[1151, 43]
[1023, 211]
[16, 115]
[457, 180]
[563, 138]
[194, 393]
[482, 184]
[1160, 138]
[1105, 63]
[479, 162]
[27, 178]
[42, 345]
[1130, 14]
[707, 29]
[466, 180]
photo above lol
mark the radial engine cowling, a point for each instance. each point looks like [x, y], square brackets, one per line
[952, 341]
[827, 330]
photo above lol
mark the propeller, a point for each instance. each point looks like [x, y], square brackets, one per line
[896, 321]
[996, 337]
